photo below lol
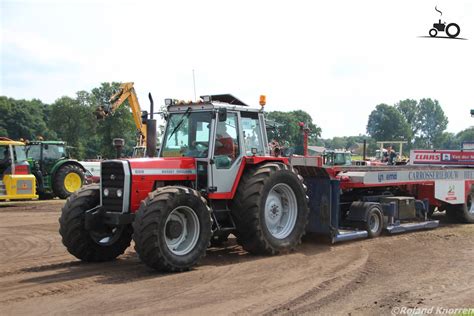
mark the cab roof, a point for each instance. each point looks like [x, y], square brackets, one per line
[216, 101]
[47, 142]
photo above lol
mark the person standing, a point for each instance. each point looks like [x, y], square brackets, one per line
[392, 155]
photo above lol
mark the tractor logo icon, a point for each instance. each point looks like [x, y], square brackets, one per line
[452, 30]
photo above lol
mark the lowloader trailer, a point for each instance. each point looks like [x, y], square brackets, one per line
[357, 202]
[215, 176]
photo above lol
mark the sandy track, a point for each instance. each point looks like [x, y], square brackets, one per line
[422, 269]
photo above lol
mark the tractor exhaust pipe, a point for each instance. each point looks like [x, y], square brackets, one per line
[151, 132]
[365, 150]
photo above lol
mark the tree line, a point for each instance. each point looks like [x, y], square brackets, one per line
[421, 123]
[72, 120]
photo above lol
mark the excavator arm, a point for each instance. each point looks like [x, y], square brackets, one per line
[125, 92]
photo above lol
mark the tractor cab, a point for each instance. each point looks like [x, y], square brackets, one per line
[46, 154]
[337, 158]
[16, 182]
[218, 132]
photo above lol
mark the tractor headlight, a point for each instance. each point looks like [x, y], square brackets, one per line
[106, 192]
[119, 192]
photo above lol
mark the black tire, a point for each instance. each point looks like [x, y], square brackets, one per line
[433, 32]
[453, 35]
[86, 244]
[151, 231]
[217, 240]
[59, 187]
[374, 223]
[431, 210]
[45, 196]
[463, 213]
[248, 208]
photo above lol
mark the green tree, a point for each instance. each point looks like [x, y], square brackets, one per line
[410, 111]
[386, 123]
[288, 128]
[448, 141]
[433, 122]
[23, 119]
[118, 125]
[70, 121]
[466, 135]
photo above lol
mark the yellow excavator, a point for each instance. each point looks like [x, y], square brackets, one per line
[127, 92]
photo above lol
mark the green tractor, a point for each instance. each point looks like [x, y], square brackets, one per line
[56, 173]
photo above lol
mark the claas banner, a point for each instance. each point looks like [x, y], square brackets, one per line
[442, 157]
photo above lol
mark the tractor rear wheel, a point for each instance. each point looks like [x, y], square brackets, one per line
[104, 242]
[270, 209]
[172, 229]
[68, 179]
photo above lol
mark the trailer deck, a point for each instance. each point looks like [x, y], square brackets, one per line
[343, 197]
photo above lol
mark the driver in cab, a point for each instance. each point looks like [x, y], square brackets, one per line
[224, 142]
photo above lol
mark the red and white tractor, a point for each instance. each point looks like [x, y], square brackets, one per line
[214, 176]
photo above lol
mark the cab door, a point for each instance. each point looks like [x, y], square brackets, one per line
[227, 153]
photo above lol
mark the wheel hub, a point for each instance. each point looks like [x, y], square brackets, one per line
[72, 182]
[174, 229]
[182, 230]
[281, 210]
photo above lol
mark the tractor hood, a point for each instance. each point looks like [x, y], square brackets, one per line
[175, 166]
[149, 173]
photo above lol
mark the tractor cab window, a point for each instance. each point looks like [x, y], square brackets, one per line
[226, 149]
[53, 152]
[187, 135]
[5, 160]
[252, 134]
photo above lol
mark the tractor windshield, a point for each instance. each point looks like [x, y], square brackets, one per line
[187, 135]
[34, 152]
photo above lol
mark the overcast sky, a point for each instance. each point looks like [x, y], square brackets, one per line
[334, 59]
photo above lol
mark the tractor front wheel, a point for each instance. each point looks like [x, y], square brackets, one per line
[68, 179]
[104, 242]
[172, 229]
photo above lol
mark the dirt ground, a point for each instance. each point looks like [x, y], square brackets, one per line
[421, 269]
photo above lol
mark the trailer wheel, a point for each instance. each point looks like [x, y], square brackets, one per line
[462, 212]
[270, 209]
[374, 224]
[68, 179]
[172, 229]
[101, 244]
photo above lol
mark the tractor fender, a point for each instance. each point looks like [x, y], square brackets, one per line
[252, 162]
[61, 163]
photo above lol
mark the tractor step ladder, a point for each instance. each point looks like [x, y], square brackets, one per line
[223, 225]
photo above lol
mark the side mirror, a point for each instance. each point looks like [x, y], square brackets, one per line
[222, 114]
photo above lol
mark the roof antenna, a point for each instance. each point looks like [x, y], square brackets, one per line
[194, 85]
